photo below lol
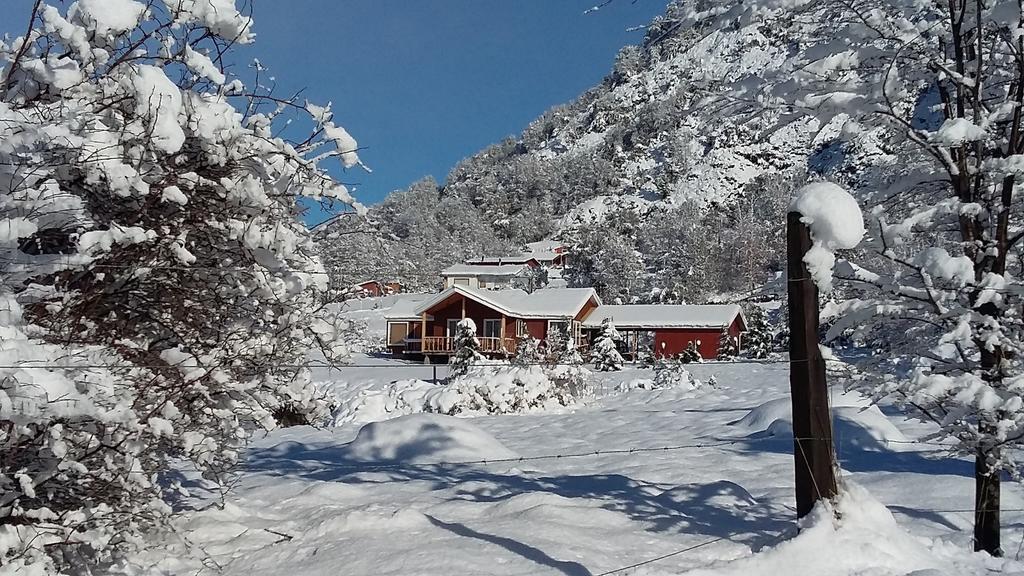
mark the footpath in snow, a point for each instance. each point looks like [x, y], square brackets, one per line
[691, 481]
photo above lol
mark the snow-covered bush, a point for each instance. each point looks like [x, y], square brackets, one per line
[604, 354]
[671, 373]
[527, 352]
[691, 354]
[467, 350]
[377, 401]
[499, 389]
[159, 292]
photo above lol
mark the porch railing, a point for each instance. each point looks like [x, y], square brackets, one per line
[446, 345]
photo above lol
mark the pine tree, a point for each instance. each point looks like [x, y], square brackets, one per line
[527, 352]
[605, 354]
[565, 366]
[727, 346]
[757, 341]
[467, 350]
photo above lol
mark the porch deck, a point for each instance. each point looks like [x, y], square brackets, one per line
[446, 345]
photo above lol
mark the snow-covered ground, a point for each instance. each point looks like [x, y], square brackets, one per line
[383, 501]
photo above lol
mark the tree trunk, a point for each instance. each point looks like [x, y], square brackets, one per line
[986, 506]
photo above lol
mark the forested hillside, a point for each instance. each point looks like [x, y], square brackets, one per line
[663, 192]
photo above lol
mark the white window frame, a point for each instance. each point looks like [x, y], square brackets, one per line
[404, 339]
[492, 322]
[552, 323]
[452, 327]
[522, 329]
[461, 281]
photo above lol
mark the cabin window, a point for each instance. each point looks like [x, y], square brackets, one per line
[556, 327]
[492, 328]
[521, 328]
[453, 327]
[397, 332]
[462, 281]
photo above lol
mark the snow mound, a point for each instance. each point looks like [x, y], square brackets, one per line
[425, 439]
[864, 427]
[865, 540]
[761, 417]
[836, 223]
[722, 494]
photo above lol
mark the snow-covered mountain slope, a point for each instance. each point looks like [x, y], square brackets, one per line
[668, 136]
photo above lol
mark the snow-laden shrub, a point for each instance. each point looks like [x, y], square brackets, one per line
[158, 293]
[383, 401]
[527, 352]
[670, 373]
[691, 354]
[499, 389]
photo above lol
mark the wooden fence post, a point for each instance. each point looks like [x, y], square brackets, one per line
[812, 422]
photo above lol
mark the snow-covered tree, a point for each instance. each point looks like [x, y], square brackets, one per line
[605, 354]
[728, 346]
[565, 364]
[690, 353]
[757, 340]
[159, 291]
[671, 373]
[934, 91]
[528, 352]
[467, 349]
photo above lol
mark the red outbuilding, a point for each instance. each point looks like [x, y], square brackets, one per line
[667, 330]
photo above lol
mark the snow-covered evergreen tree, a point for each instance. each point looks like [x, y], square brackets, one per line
[467, 349]
[757, 340]
[691, 353]
[528, 352]
[154, 268]
[565, 364]
[604, 354]
[728, 346]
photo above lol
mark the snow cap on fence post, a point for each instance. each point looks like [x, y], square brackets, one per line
[835, 222]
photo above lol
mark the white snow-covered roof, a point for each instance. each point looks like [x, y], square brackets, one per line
[545, 303]
[543, 246]
[500, 260]
[484, 270]
[544, 255]
[404, 308]
[650, 316]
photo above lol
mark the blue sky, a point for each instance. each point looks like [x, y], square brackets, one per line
[423, 83]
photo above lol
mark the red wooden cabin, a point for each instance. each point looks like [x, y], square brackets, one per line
[501, 316]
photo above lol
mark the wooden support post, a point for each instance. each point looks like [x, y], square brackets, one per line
[812, 423]
[423, 337]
